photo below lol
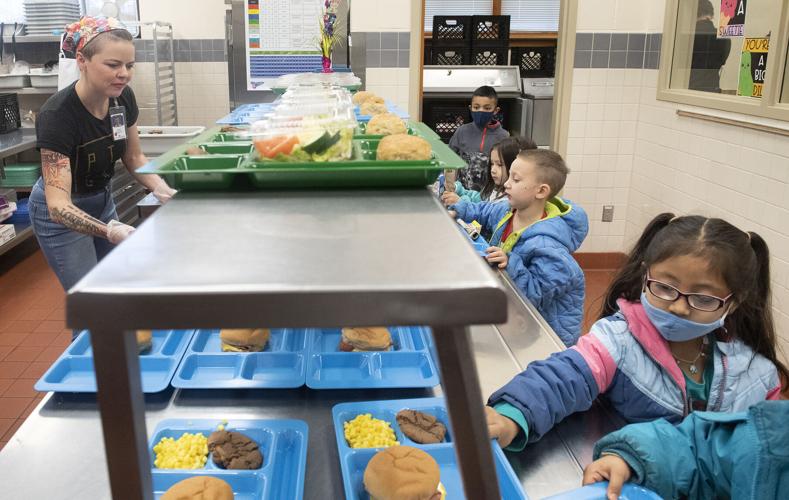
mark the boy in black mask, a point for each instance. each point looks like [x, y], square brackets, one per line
[473, 141]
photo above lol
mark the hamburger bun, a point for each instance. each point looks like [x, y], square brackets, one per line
[244, 340]
[144, 340]
[386, 124]
[373, 107]
[404, 147]
[402, 472]
[365, 339]
[199, 488]
[361, 96]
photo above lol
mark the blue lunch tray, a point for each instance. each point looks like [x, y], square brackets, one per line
[353, 461]
[246, 114]
[389, 105]
[408, 363]
[597, 491]
[283, 444]
[280, 365]
[73, 370]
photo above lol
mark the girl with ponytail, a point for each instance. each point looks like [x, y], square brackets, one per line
[686, 325]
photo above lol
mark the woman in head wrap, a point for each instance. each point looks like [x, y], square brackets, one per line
[81, 132]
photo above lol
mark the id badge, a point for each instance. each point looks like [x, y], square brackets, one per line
[118, 122]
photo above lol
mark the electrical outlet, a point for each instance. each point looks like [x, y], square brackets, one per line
[608, 213]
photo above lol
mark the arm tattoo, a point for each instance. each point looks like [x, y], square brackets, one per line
[74, 218]
[53, 165]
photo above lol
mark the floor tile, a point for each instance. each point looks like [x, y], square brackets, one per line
[35, 370]
[22, 388]
[36, 313]
[13, 369]
[49, 354]
[13, 407]
[42, 339]
[12, 339]
[5, 350]
[23, 326]
[5, 424]
[50, 326]
[24, 353]
[58, 313]
[11, 431]
[30, 408]
[5, 383]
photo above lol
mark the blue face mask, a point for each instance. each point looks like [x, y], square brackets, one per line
[481, 118]
[674, 328]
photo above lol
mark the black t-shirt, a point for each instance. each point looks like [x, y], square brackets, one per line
[65, 126]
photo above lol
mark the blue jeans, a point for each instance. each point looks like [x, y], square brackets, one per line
[71, 254]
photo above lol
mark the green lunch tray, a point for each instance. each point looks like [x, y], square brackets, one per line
[241, 171]
[215, 134]
[19, 175]
[413, 128]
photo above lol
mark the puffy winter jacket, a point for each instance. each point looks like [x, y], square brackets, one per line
[625, 358]
[540, 259]
[743, 456]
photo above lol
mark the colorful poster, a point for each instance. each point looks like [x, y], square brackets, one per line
[282, 37]
[732, 21]
[753, 66]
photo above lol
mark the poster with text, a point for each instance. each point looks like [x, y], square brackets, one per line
[282, 38]
[732, 19]
[753, 66]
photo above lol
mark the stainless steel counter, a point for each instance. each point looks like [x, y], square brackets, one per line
[58, 453]
[17, 141]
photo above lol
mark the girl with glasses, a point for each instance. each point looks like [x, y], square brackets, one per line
[686, 325]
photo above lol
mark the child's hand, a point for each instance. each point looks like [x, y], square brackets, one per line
[449, 198]
[452, 214]
[497, 256]
[610, 468]
[501, 428]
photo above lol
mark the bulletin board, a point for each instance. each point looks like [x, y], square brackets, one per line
[281, 37]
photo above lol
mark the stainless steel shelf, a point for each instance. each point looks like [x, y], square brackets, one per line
[23, 232]
[288, 259]
[30, 90]
[17, 141]
[31, 38]
[298, 259]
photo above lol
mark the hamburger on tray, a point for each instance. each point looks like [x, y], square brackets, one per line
[244, 340]
[403, 472]
[365, 339]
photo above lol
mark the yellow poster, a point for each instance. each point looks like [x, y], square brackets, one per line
[753, 66]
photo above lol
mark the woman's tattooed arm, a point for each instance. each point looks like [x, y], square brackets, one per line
[56, 171]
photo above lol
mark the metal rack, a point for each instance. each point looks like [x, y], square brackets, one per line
[166, 104]
[189, 267]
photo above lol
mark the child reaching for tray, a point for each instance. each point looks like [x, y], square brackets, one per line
[686, 325]
[709, 455]
[501, 157]
[533, 238]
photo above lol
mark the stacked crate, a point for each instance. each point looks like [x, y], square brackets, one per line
[490, 40]
[469, 40]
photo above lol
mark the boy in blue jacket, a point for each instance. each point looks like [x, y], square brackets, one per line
[709, 455]
[534, 236]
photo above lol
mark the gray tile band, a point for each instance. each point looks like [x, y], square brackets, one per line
[191, 50]
[617, 50]
[385, 49]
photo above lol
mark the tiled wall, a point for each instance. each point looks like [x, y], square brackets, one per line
[201, 89]
[381, 47]
[191, 50]
[386, 49]
[617, 50]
